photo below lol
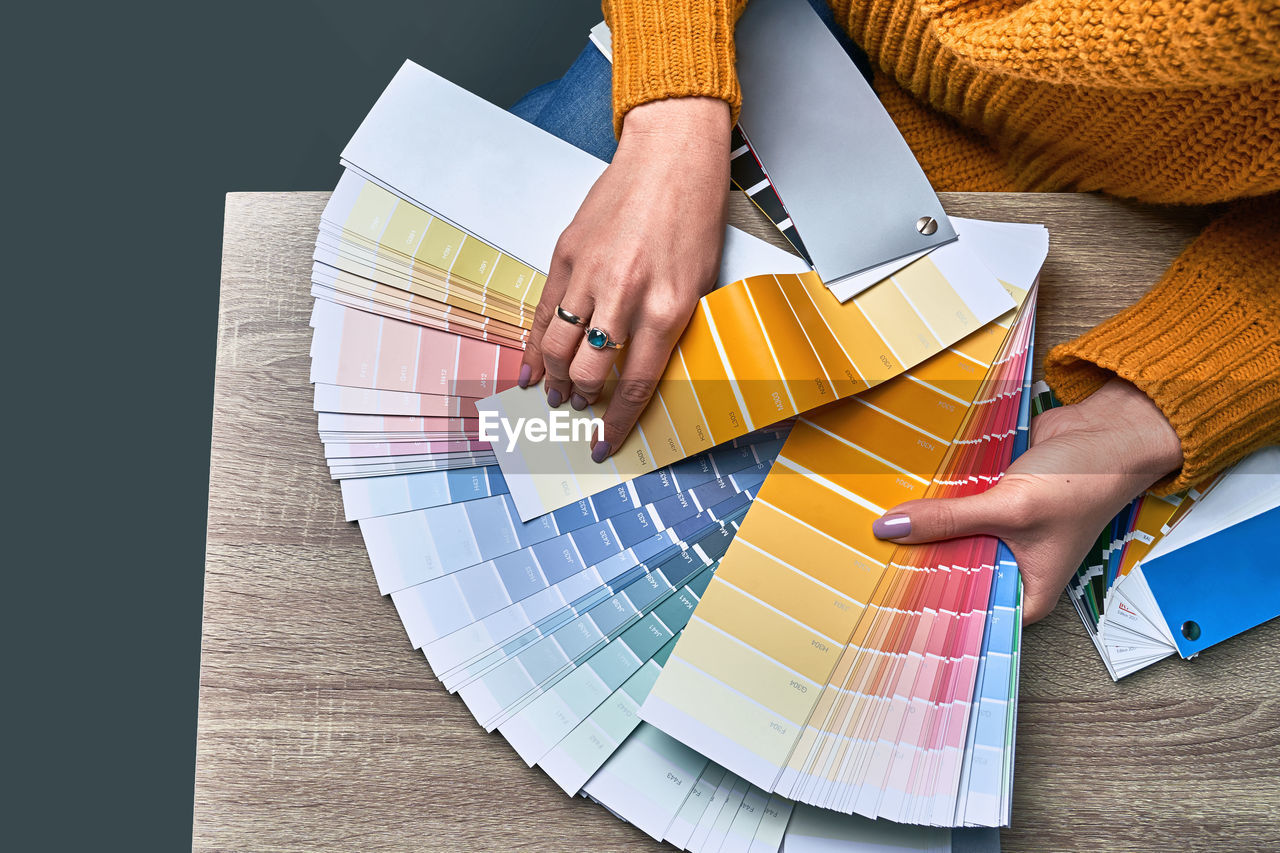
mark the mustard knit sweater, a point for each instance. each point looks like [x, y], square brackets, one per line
[1164, 101]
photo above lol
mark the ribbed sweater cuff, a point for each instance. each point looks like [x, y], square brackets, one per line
[672, 49]
[1203, 344]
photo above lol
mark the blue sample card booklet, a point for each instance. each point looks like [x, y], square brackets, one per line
[1204, 570]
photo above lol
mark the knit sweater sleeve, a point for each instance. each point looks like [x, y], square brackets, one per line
[672, 49]
[1203, 344]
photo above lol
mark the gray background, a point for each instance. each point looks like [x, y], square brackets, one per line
[125, 125]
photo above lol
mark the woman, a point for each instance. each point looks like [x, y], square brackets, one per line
[1173, 103]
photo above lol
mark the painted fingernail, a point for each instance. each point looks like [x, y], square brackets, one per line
[578, 402]
[600, 452]
[525, 373]
[553, 398]
[891, 527]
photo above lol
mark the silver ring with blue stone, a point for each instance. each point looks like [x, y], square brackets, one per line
[598, 338]
[570, 318]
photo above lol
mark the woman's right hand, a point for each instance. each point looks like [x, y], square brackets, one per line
[1085, 463]
[643, 248]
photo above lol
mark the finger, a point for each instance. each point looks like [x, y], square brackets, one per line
[932, 519]
[553, 289]
[1037, 605]
[561, 342]
[1046, 563]
[646, 360]
[591, 367]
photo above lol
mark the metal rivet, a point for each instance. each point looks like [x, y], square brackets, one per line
[926, 225]
[1191, 631]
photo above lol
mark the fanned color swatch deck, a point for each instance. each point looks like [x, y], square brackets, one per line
[841, 670]
[702, 634]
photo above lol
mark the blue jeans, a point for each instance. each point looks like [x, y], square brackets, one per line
[578, 107]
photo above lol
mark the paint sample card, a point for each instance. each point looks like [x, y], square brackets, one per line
[357, 349]
[369, 497]
[379, 247]
[345, 399]
[748, 175]
[540, 725]
[413, 547]
[800, 154]
[438, 607]
[756, 352]
[814, 830]
[855, 209]
[396, 397]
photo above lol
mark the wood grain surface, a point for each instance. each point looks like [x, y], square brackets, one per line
[321, 729]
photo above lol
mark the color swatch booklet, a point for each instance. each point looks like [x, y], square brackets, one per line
[553, 612]
[1175, 574]
[844, 671]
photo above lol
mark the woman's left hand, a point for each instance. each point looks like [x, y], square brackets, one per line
[643, 248]
[1084, 464]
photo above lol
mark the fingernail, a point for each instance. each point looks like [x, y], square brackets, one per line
[578, 402]
[600, 452]
[525, 373]
[892, 526]
[553, 398]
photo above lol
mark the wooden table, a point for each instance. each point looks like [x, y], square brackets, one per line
[321, 729]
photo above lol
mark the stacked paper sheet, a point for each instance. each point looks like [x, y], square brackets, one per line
[553, 596]
[414, 321]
